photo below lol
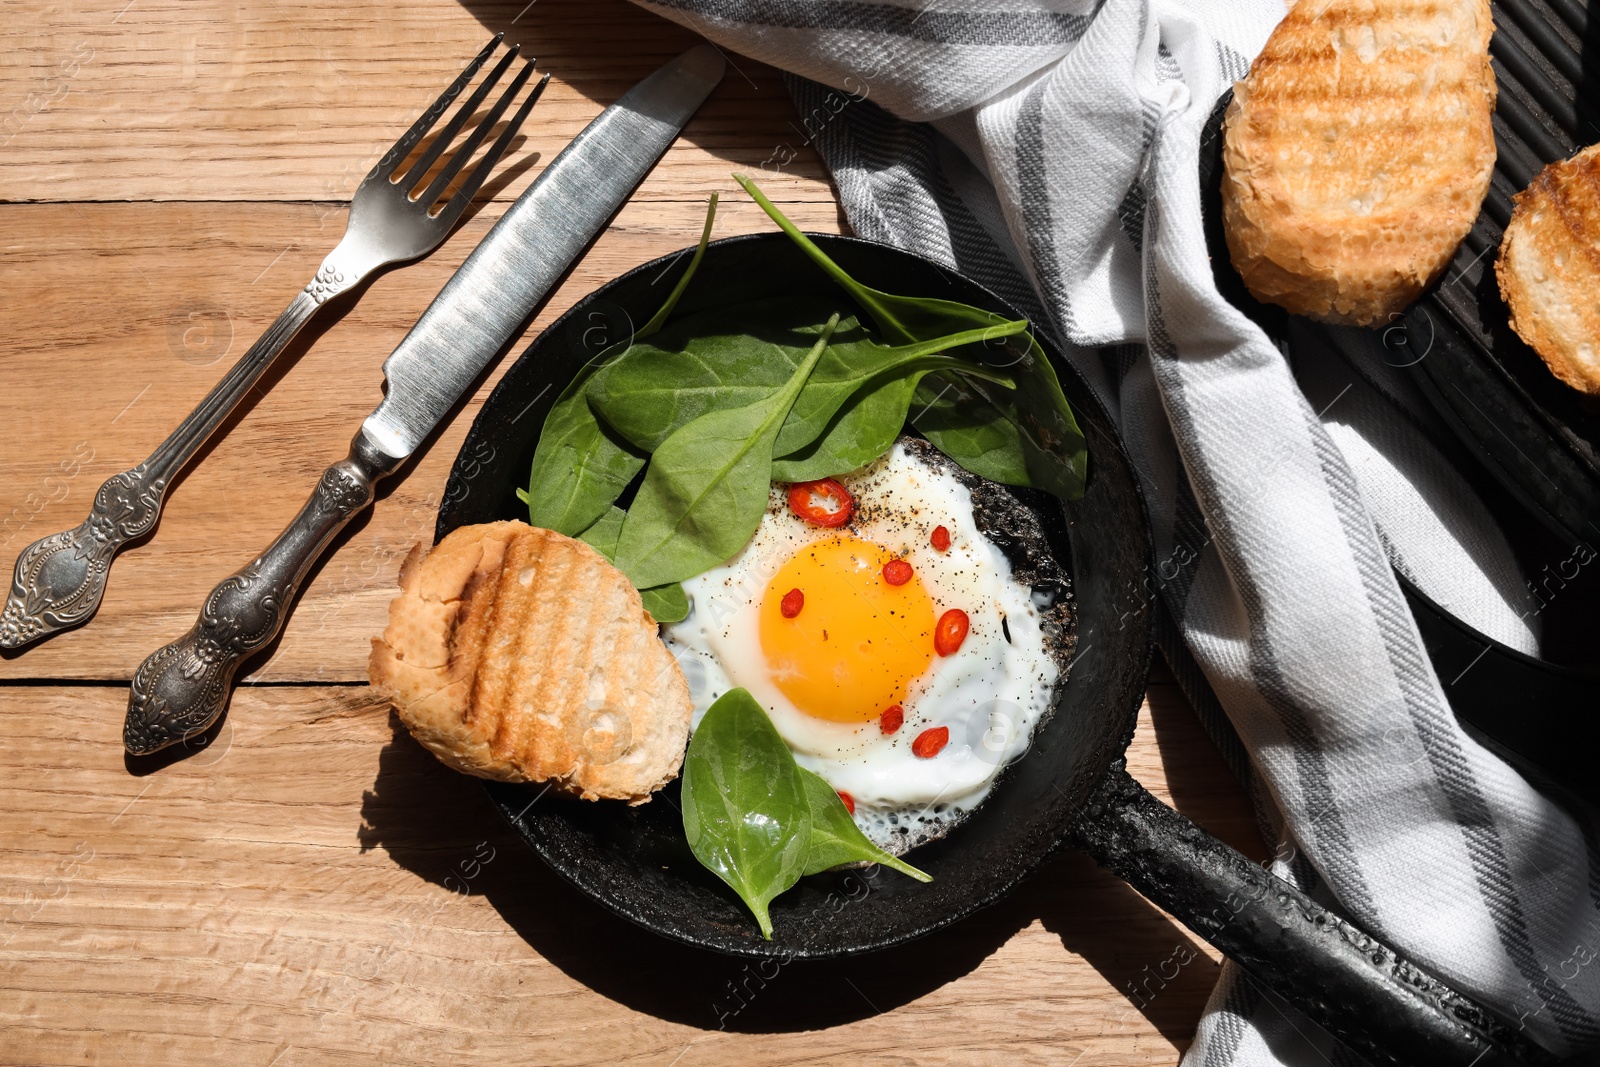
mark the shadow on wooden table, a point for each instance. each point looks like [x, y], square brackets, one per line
[434, 822]
[320, 324]
[748, 121]
[329, 317]
[560, 34]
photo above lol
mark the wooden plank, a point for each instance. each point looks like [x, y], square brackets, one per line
[316, 889]
[121, 317]
[296, 99]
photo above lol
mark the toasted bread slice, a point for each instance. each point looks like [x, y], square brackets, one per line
[1357, 154]
[1549, 268]
[518, 654]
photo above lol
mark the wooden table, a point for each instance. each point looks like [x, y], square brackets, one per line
[314, 888]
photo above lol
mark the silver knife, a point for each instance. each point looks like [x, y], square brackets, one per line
[181, 689]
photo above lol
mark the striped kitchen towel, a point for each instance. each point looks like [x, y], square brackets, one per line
[1050, 151]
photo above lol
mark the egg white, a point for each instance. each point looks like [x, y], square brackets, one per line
[990, 694]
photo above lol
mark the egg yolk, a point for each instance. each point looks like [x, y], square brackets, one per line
[857, 642]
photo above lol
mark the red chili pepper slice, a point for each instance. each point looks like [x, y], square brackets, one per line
[940, 539]
[950, 632]
[892, 717]
[835, 507]
[849, 801]
[791, 603]
[897, 572]
[929, 742]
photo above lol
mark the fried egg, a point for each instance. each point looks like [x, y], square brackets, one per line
[858, 644]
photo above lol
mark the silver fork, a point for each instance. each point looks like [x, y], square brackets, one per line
[60, 579]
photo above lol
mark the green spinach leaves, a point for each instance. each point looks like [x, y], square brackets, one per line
[1043, 446]
[665, 603]
[714, 406]
[745, 812]
[580, 466]
[724, 358]
[706, 488]
[852, 407]
[758, 820]
[835, 837]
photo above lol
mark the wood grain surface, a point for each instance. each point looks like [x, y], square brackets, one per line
[315, 888]
[293, 100]
[312, 887]
[98, 371]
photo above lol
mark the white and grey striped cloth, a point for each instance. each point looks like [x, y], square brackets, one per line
[1049, 148]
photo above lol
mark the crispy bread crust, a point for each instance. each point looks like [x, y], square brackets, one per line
[518, 654]
[1357, 154]
[1549, 268]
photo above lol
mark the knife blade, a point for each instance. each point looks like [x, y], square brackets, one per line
[531, 247]
[182, 689]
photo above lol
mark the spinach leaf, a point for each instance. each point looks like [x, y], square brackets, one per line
[602, 535]
[745, 811]
[867, 424]
[1049, 449]
[848, 366]
[665, 603]
[970, 430]
[1025, 436]
[723, 358]
[862, 430]
[579, 466]
[901, 318]
[731, 357]
[662, 312]
[706, 488]
[757, 819]
[835, 837]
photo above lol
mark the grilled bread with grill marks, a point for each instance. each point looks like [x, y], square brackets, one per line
[1357, 154]
[518, 654]
[1549, 268]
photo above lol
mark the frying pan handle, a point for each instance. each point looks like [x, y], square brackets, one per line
[1358, 989]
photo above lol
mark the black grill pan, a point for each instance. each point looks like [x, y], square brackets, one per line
[1535, 435]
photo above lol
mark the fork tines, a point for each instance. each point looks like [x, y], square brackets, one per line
[414, 174]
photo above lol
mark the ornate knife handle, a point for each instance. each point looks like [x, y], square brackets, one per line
[60, 579]
[181, 690]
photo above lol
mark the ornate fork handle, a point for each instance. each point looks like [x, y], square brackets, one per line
[181, 689]
[60, 579]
